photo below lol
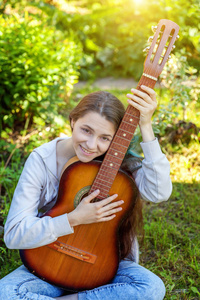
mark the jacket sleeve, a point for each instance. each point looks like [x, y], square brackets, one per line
[23, 228]
[153, 179]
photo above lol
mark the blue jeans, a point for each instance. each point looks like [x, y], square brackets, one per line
[132, 281]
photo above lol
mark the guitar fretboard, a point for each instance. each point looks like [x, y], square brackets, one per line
[162, 43]
[118, 147]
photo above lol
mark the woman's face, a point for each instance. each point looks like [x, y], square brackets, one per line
[91, 136]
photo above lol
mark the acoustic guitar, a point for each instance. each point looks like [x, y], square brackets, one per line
[89, 257]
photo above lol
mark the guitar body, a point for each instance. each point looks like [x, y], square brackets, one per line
[89, 257]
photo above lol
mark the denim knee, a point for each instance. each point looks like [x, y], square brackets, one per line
[21, 284]
[155, 289]
[7, 291]
[143, 284]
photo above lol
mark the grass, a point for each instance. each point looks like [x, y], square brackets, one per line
[171, 247]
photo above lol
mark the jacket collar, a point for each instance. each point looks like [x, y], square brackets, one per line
[48, 153]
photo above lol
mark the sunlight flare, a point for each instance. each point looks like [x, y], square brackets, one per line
[138, 2]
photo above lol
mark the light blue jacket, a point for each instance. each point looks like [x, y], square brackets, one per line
[37, 191]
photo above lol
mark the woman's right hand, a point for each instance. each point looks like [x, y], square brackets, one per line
[92, 212]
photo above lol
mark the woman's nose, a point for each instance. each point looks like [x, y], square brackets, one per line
[91, 143]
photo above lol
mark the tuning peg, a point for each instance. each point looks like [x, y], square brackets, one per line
[173, 47]
[169, 57]
[150, 39]
[154, 28]
[146, 49]
[178, 36]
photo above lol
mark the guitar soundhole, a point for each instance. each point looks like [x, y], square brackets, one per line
[84, 193]
[81, 193]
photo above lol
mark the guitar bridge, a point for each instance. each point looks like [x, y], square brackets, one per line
[73, 251]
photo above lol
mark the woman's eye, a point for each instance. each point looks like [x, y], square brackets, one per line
[106, 139]
[85, 130]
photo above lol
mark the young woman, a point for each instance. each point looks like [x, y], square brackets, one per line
[94, 122]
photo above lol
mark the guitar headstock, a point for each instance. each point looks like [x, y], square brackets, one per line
[166, 33]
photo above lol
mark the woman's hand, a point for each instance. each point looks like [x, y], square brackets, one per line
[88, 212]
[146, 103]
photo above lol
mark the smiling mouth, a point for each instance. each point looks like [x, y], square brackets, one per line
[86, 151]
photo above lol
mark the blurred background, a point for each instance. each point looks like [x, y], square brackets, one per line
[52, 53]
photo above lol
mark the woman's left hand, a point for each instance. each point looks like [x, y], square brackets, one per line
[145, 102]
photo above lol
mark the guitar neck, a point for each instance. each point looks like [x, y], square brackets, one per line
[162, 44]
[117, 150]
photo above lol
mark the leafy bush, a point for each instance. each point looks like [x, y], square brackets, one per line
[113, 41]
[114, 33]
[180, 79]
[39, 65]
[181, 90]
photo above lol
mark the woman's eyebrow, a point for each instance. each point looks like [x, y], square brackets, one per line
[108, 135]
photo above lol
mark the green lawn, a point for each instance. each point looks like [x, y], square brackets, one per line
[171, 245]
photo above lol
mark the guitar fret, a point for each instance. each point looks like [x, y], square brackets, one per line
[114, 150]
[123, 141]
[132, 120]
[132, 112]
[103, 177]
[132, 115]
[122, 130]
[104, 172]
[109, 171]
[115, 153]
[113, 158]
[101, 188]
[103, 185]
[126, 128]
[119, 146]
[107, 185]
[123, 133]
[112, 166]
[131, 125]
[102, 196]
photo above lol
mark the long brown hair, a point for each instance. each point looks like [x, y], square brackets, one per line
[104, 103]
[111, 108]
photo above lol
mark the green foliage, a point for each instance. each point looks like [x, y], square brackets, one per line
[179, 94]
[113, 33]
[171, 247]
[39, 65]
[179, 78]
[112, 41]
[9, 176]
[187, 15]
